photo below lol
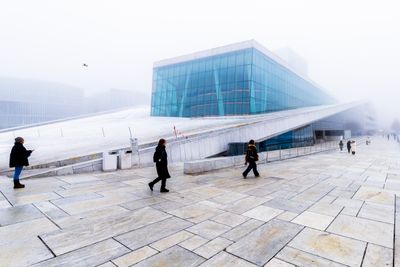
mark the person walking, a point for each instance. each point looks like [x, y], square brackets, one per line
[251, 158]
[160, 158]
[353, 147]
[18, 159]
[348, 146]
[341, 145]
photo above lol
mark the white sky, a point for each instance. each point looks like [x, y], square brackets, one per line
[352, 47]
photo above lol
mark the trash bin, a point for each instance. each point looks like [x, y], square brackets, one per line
[110, 160]
[125, 159]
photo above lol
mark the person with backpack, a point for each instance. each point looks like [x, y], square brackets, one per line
[18, 159]
[251, 158]
[160, 158]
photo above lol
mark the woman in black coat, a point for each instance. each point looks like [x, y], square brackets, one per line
[160, 158]
[18, 159]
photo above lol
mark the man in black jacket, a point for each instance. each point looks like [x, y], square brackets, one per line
[251, 158]
[18, 159]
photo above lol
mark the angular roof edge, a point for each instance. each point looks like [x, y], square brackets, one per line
[231, 48]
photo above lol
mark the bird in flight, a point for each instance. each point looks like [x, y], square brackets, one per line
[85, 65]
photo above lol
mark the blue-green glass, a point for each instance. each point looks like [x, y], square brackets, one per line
[235, 83]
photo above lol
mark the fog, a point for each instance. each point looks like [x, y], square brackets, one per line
[351, 47]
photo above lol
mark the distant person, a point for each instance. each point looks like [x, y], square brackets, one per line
[18, 159]
[368, 141]
[341, 145]
[160, 158]
[348, 146]
[353, 147]
[251, 158]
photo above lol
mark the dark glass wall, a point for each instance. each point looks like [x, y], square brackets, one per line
[236, 83]
[300, 137]
[297, 138]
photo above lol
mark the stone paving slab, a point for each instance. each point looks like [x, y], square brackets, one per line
[245, 204]
[173, 257]
[332, 247]
[278, 263]
[23, 252]
[375, 195]
[224, 259]
[209, 229]
[289, 205]
[242, 230]
[50, 210]
[134, 257]
[152, 232]
[90, 217]
[377, 212]
[18, 214]
[63, 241]
[362, 229]
[171, 240]
[262, 244]
[304, 259]
[313, 220]
[195, 213]
[75, 198]
[325, 209]
[230, 219]
[27, 229]
[193, 242]
[378, 256]
[263, 213]
[213, 247]
[87, 256]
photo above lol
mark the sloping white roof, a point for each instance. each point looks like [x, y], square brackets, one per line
[84, 136]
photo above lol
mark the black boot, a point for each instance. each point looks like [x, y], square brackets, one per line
[164, 190]
[18, 185]
[151, 186]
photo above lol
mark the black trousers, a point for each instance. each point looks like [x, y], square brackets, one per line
[348, 149]
[163, 182]
[252, 166]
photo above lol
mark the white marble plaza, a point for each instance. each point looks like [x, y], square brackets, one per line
[327, 209]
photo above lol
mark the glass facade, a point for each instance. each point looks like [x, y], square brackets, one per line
[300, 137]
[297, 138]
[239, 82]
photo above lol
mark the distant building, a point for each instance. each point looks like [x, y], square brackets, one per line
[24, 102]
[27, 101]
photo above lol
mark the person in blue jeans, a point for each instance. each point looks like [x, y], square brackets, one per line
[18, 159]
